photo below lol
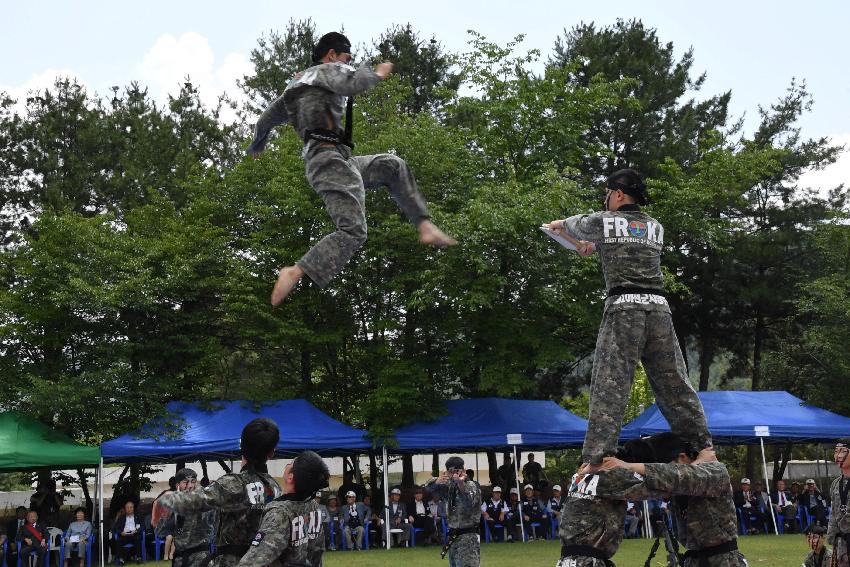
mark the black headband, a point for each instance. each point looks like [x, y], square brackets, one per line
[637, 190]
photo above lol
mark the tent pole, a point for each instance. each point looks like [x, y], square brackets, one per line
[767, 487]
[100, 512]
[519, 494]
[477, 469]
[386, 497]
[647, 525]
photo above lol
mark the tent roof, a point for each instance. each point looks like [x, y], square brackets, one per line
[494, 423]
[27, 444]
[744, 417]
[213, 429]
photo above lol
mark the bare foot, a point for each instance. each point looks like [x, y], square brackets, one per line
[286, 282]
[433, 236]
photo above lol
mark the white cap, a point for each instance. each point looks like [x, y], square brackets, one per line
[514, 490]
[557, 487]
[497, 489]
[810, 481]
[350, 493]
[528, 487]
[319, 493]
[395, 491]
[745, 480]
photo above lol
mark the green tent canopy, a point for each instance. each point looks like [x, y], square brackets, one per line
[26, 444]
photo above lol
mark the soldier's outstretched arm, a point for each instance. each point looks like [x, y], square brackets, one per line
[271, 540]
[344, 79]
[227, 493]
[275, 115]
[436, 486]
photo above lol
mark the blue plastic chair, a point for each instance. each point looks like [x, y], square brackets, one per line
[143, 551]
[534, 525]
[30, 554]
[89, 547]
[413, 532]
[488, 536]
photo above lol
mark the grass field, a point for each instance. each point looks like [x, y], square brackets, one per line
[764, 551]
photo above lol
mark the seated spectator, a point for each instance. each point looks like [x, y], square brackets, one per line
[556, 502]
[399, 522]
[33, 538]
[437, 508]
[12, 528]
[785, 507]
[127, 529]
[814, 503]
[333, 536]
[633, 518]
[494, 512]
[750, 505]
[77, 537]
[420, 515]
[534, 513]
[512, 517]
[532, 471]
[376, 524]
[819, 555]
[353, 521]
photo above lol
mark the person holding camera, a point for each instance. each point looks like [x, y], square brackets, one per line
[464, 513]
[353, 520]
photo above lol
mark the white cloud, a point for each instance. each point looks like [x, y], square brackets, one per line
[833, 175]
[166, 65]
[38, 82]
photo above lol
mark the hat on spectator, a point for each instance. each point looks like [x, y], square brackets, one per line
[350, 493]
[810, 481]
[745, 480]
[528, 487]
[332, 497]
[497, 489]
[557, 487]
[319, 493]
[395, 491]
[514, 490]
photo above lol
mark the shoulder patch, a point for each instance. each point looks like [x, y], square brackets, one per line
[258, 538]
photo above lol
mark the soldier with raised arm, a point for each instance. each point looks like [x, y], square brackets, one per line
[463, 498]
[239, 498]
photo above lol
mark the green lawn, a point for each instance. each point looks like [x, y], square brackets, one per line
[766, 551]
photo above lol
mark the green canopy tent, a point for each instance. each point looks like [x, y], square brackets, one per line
[26, 444]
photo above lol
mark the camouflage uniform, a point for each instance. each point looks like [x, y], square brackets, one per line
[464, 513]
[703, 508]
[636, 326]
[192, 535]
[315, 101]
[822, 560]
[291, 534]
[838, 530]
[239, 499]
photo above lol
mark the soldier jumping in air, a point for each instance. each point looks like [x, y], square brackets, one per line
[636, 324]
[464, 513]
[239, 497]
[291, 532]
[313, 103]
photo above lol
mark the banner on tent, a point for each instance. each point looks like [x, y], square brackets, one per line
[514, 438]
[762, 430]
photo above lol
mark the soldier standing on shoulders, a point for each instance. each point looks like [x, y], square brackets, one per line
[636, 323]
[464, 513]
[838, 531]
[291, 532]
[239, 497]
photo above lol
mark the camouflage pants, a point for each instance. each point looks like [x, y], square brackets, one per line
[580, 562]
[731, 559]
[341, 180]
[625, 337]
[191, 560]
[841, 551]
[465, 551]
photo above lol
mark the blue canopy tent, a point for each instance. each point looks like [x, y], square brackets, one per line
[748, 418]
[212, 430]
[492, 423]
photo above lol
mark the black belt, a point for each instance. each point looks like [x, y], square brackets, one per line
[327, 136]
[584, 551]
[706, 552]
[623, 289]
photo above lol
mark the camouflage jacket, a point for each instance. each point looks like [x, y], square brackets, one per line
[839, 521]
[314, 99]
[291, 534]
[705, 518]
[239, 499]
[629, 242]
[464, 502]
[189, 530]
[823, 560]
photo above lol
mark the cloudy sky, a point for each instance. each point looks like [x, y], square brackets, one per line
[752, 47]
